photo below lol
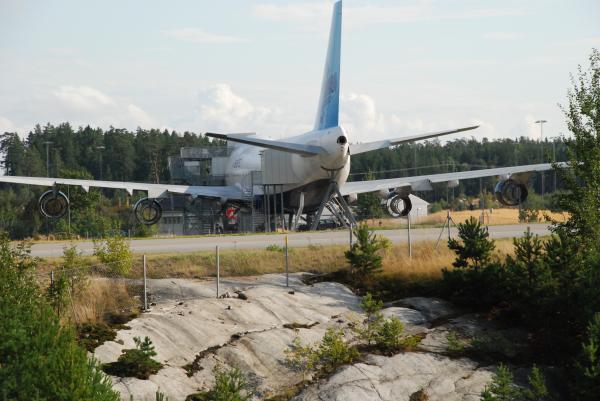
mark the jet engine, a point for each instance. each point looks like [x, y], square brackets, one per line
[147, 211]
[53, 204]
[510, 192]
[399, 205]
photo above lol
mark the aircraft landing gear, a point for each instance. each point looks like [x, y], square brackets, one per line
[335, 202]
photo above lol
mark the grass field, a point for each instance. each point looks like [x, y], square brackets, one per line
[491, 217]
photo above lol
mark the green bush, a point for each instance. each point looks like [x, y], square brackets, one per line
[325, 356]
[503, 387]
[229, 385]
[386, 334]
[135, 362]
[115, 252]
[588, 365]
[39, 356]
[455, 345]
[365, 254]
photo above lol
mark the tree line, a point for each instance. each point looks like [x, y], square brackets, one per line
[142, 155]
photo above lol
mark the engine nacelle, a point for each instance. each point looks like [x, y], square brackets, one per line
[383, 194]
[399, 206]
[147, 211]
[511, 193]
[352, 199]
[53, 204]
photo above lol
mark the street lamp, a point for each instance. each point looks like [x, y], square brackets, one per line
[100, 148]
[541, 123]
[48, 143]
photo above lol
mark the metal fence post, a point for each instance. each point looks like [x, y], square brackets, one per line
[51, 278]
[145, 284]
[350, 231]
[218, 269]
[287, 273]
[409, 238]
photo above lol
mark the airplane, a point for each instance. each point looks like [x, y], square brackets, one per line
[319, 160]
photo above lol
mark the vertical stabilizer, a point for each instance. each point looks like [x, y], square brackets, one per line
[329, 102]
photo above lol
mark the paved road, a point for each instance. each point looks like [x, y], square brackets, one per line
[195, 244]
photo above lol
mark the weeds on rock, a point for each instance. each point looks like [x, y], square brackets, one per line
[324, 357]
[387, 335]
[136, 362]
[230, 385]
[91, 335]
[455, 345]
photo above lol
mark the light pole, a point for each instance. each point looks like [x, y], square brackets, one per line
[48, 143]
[100, 148]
[541, 123]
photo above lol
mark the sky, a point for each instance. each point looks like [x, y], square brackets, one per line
[255, 66]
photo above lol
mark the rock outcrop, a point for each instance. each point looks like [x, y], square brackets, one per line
[193, 332]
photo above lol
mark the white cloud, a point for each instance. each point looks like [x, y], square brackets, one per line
[140, 117]
[502, 36]
[222, 109]
[83, 97]
[6, 125]
[363, 122]
[319, 13]
[196, 35]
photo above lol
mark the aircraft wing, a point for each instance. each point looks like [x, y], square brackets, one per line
[298, 148]
[370, 146]
[423, 182]
[154, 190]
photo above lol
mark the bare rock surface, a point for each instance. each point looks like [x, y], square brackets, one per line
[193, 332]
[398, 377]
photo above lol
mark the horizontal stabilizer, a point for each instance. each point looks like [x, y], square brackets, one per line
[298, 148]
[370, 146]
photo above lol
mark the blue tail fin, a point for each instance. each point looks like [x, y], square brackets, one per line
[329, 103]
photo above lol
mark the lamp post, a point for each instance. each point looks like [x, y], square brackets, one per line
[541, 123]
[100, 148]
[48, 143]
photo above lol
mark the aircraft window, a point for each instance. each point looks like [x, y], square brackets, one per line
[342, 140]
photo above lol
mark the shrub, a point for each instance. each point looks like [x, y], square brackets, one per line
[474, 248]
[116, 253]
[369, 330]
[364, 255]
[135, 362]
[386, 334]
[39, 356]
[503, 387]
[588, 366]
[325, 357]
[274, 248]
[92, 335]
[455, 345]
[229, 385]
[334, 351]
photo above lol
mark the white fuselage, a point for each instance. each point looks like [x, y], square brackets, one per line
[308, 169]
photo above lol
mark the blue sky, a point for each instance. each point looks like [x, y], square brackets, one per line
[255, 66]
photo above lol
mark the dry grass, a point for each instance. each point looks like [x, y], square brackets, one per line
[102, 297]
[110, 294]
[492, 217]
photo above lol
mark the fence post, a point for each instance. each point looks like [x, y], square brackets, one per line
[287, 274]
[350, 231]
[51, 278]
[409, 239]
[145, 285]
[218, 269]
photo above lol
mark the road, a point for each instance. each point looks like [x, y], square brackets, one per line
[196, 244]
